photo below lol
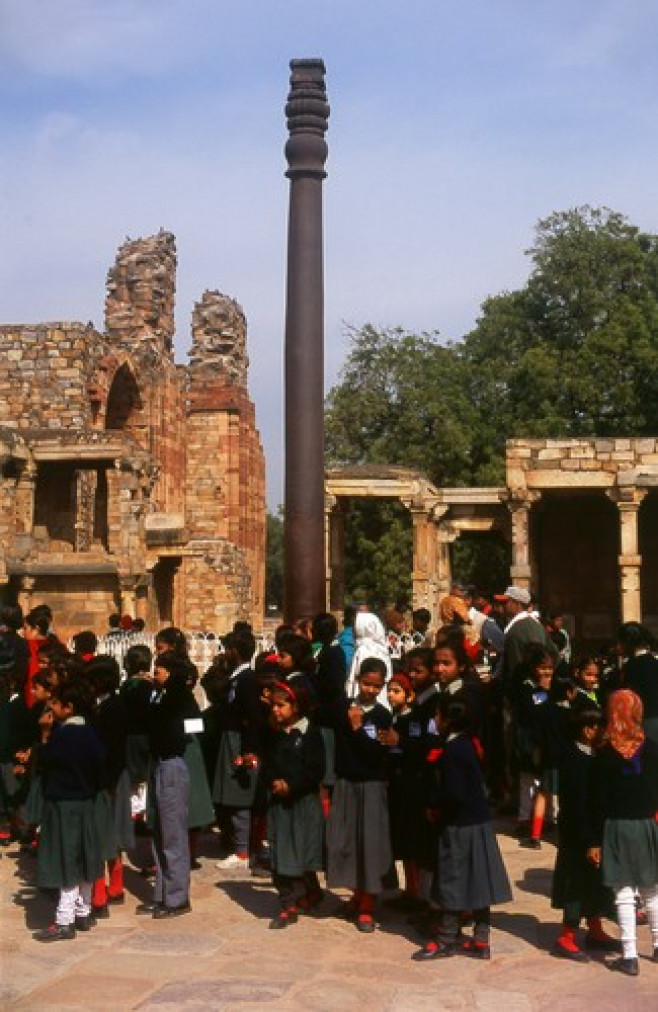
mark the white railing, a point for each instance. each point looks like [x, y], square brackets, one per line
[202, 647]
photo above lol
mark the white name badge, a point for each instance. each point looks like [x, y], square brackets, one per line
[370, 730]
[193, 725]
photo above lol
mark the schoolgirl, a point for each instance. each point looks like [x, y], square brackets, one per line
[115, 824]
[169, 787]
[577, 886]
[587, 674]
[136, 691]
[456, 676]
[530, 735]
[405, 810]
[241, 728]
[201, 812]
[625, 803]
[293, 774]
[358, 834]
[470, 874]
[69, 857]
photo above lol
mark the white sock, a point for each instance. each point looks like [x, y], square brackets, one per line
[650, 897]
[625, 904]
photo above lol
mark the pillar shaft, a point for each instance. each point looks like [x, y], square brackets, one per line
[306, 152]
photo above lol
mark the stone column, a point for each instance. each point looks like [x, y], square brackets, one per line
[306, 152]
[628, 502]
[445, 535]
[24, 500]
[521, 572]
[335, 516]
[423, 573]
[85, 501]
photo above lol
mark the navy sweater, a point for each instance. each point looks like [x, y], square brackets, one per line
[459, 792]
[72, 763]
[359, 755]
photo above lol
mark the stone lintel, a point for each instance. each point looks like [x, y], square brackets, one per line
[61, 568]
[570, 479]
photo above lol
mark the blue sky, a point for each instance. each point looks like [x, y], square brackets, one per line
[455, 125]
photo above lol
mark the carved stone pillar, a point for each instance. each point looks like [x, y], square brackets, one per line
[85, 501]
[25, 592]
[423, 573]
[445, 535]
[521, 570]
[628, 502]
[335, 516]
[24, 500]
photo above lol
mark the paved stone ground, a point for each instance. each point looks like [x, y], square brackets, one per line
[222, 956]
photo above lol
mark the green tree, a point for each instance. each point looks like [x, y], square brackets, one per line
[274, 562]
[572, 353]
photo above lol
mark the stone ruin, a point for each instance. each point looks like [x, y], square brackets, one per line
[130, 483]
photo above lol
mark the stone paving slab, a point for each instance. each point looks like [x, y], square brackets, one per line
[222, 955]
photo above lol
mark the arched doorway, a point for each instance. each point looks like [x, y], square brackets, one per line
[124, 403]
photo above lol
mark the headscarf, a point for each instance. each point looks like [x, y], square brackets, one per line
[624, 727]
[370, 641]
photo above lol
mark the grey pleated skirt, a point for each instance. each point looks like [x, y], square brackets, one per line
[359, 852]
[470, 873]
[629, 853]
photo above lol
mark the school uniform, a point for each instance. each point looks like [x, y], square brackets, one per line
[577, 886]
[170, 790]
[296, 822]
[411, 836]
[114, 814]
[240, 720]
[359, 853]
[69, 855]
[625, 802]
[329, 689]
[470, 874]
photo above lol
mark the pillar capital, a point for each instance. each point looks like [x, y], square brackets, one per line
[627, 498]
[307, 114]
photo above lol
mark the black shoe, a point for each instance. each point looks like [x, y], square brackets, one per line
[283, 919]
[117, 900]
[628, 966]
[147, 908]
[530, 844]
[55, 933]
[261, 871]
[101, 913]
[433, 950]
[195, 864]
[654, 958]
[365, 924]
[476, 950]
[85, 923]
[575, 955]
[162, 912]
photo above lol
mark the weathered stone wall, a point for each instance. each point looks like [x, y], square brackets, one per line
[132, 465]
[219, 339]
[44, 370]
[139, 309]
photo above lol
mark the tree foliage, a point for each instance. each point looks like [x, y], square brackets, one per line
[572, 353]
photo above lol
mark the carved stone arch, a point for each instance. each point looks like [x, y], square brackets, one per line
[122, 405]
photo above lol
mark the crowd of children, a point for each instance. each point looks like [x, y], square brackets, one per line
[309, 759]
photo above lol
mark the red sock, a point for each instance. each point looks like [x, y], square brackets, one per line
[366, 903]
[99, 893]
[567, 939]
[595, 930]
[536, 826]
[116, 877]
[326, 802]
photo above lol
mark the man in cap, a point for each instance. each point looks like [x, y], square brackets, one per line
[521, 630]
